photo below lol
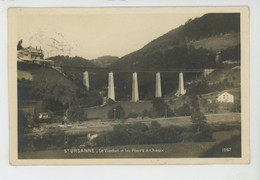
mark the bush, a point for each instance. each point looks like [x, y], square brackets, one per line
[236, 106]
[184, 110]
[22, 130]
[170, 134]
[199, 121]
[147, 113]
[139, 133]
[133, 115]
[212, 107]
[187, 136]
[155, 125]
[52, 103]
[116, 112]
[161, 108]
[204, 135]
[110, 101]
[76, 113]
[53, 137]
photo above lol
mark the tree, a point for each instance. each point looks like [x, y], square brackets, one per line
[198, 118]
[161, 108]
[195, 103]
[51, 103]
[188, 21]
[184, 110]
[19, 45]
[116, 112]
[236, 106]
[76, 113]
[212, 107]
[22, 129]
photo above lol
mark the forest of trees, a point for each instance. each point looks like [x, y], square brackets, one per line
[231, 54]
[204, 87]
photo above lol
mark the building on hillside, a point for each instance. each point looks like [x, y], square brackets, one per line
[225, 98]
[33, 55]
[30, 54]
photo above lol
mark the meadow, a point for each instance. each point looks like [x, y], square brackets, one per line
[172, 150]
[226, 132]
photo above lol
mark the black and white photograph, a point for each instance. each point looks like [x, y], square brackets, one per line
[130, 84]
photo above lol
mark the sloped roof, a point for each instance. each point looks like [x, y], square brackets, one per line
[224, 93]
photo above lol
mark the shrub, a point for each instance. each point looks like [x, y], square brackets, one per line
[199, 121]
[204, 135]
[147, 113]
[52, 103]
[155, 125]
[184, 110]
[110, 101]
[187, 136]
[236, 106]
[53, 137]
[170, 134]
[116, 112]
[161, 108]
[76, 113]
[138, 127]
[212, 107]
[105, 139]
[22, 130]
[139, 133]
[133, 115]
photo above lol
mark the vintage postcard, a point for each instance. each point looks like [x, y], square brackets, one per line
[161, 85]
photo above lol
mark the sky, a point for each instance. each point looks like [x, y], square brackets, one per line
[95, 35]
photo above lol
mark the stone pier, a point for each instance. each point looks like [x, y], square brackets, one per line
[181, 91]
[158, 88]
[86, 80]
[135, 95]
[111, 87]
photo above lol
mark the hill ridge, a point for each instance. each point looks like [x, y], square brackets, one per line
[174, 48]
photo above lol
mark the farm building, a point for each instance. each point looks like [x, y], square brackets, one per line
[43, 115]
[225, 98]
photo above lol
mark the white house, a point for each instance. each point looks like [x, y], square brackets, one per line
[226, 98]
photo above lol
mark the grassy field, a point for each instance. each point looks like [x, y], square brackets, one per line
[174, 150]
[228, 119]
[217, 122]
[226, 134]
[218, 42]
